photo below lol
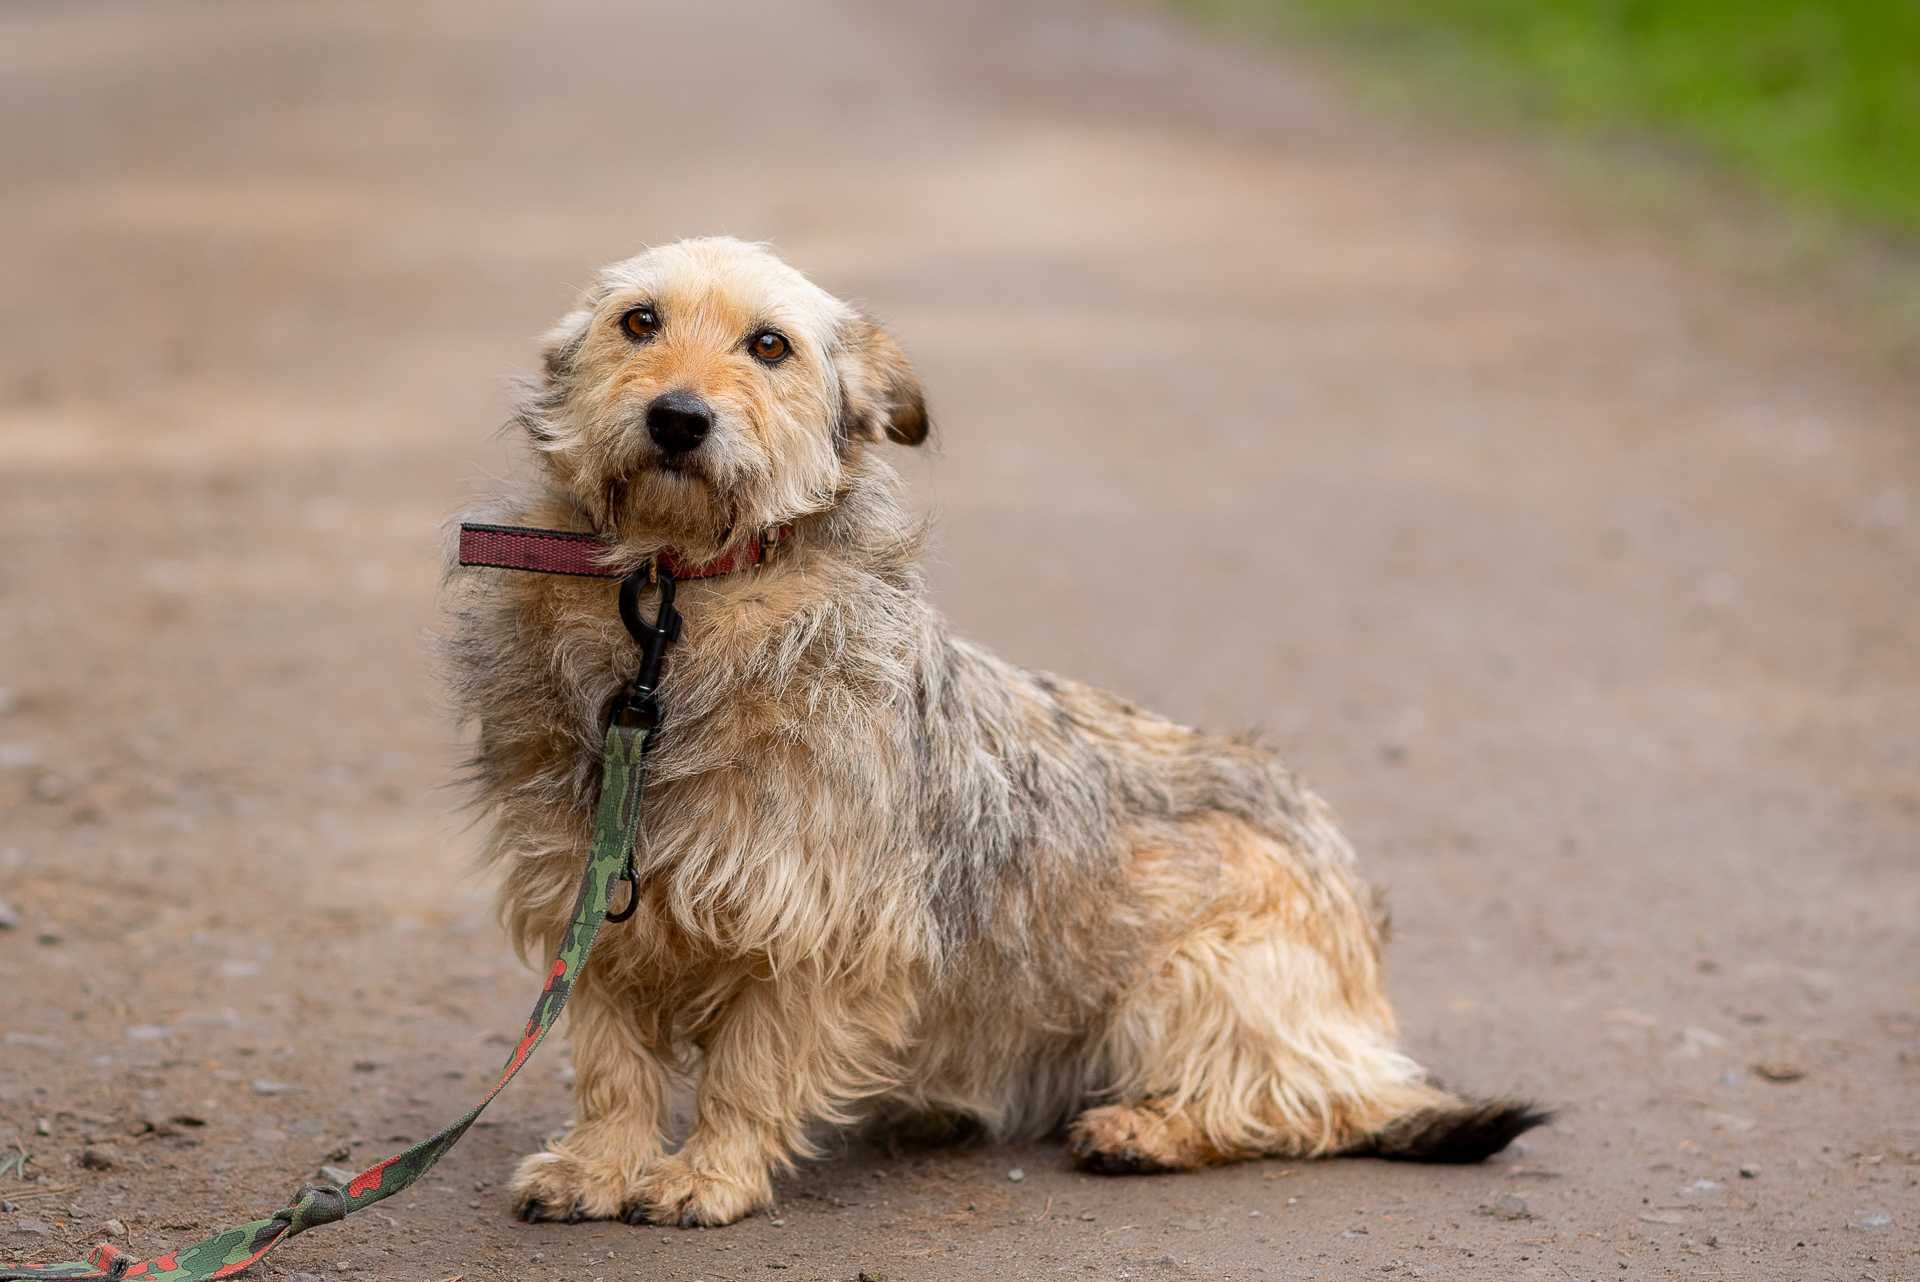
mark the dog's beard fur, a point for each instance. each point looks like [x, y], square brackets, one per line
[634, 495]
[675, 504]
[884, 870]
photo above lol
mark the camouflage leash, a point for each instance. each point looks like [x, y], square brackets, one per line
[636, 715]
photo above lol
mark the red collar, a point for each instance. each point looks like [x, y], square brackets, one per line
[517, 547]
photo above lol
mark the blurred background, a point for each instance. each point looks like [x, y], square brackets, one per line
[1817, 102]
[1508, 410]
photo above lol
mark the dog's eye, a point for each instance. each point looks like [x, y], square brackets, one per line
[641, 324]
[769, 347]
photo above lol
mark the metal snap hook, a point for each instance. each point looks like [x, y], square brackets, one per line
[638, 706]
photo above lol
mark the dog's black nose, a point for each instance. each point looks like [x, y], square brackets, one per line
[678, 421]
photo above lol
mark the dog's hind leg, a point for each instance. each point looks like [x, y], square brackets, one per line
[1264, 1030]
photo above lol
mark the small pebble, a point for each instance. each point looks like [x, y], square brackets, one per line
[1749, 1172]
[116, 1228]
[267, 1086]
[1510, 1207]
[41, 1126]
[1016, 1175]
[35, 1227]
[1878, 1220]
[7, 1208]
[1779, 1070]
[9, 916]
[98, 1158]
[778, 1223]
[336, 1175]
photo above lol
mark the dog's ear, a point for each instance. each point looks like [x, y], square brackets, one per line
[880, 395]
[541, 403]
[563, 342]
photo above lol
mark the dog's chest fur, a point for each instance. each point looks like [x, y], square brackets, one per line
[838, 775]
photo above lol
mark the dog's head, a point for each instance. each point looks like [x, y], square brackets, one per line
[705, 389]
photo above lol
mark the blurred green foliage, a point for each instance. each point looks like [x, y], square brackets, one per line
[1820, 99]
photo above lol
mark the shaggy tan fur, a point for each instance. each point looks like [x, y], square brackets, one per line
[885, 871]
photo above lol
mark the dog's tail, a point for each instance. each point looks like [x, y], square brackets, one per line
[1451, 1129]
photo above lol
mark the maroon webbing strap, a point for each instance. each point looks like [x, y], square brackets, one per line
[518, 547]
[507, 547]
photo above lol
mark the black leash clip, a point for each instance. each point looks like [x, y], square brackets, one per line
[638, 706]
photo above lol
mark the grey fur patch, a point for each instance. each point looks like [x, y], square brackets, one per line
[1021, 783]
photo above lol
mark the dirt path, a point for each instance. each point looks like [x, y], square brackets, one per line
[1585, 581]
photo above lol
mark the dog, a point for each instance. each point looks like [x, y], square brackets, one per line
[882, 873]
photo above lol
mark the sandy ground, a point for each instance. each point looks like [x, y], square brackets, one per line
[1584, 577]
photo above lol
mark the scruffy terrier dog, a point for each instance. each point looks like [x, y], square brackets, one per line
[883, 872]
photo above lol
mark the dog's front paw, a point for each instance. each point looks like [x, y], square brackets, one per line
[557, 1185]
[693, 1195]
[1120, 1140]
